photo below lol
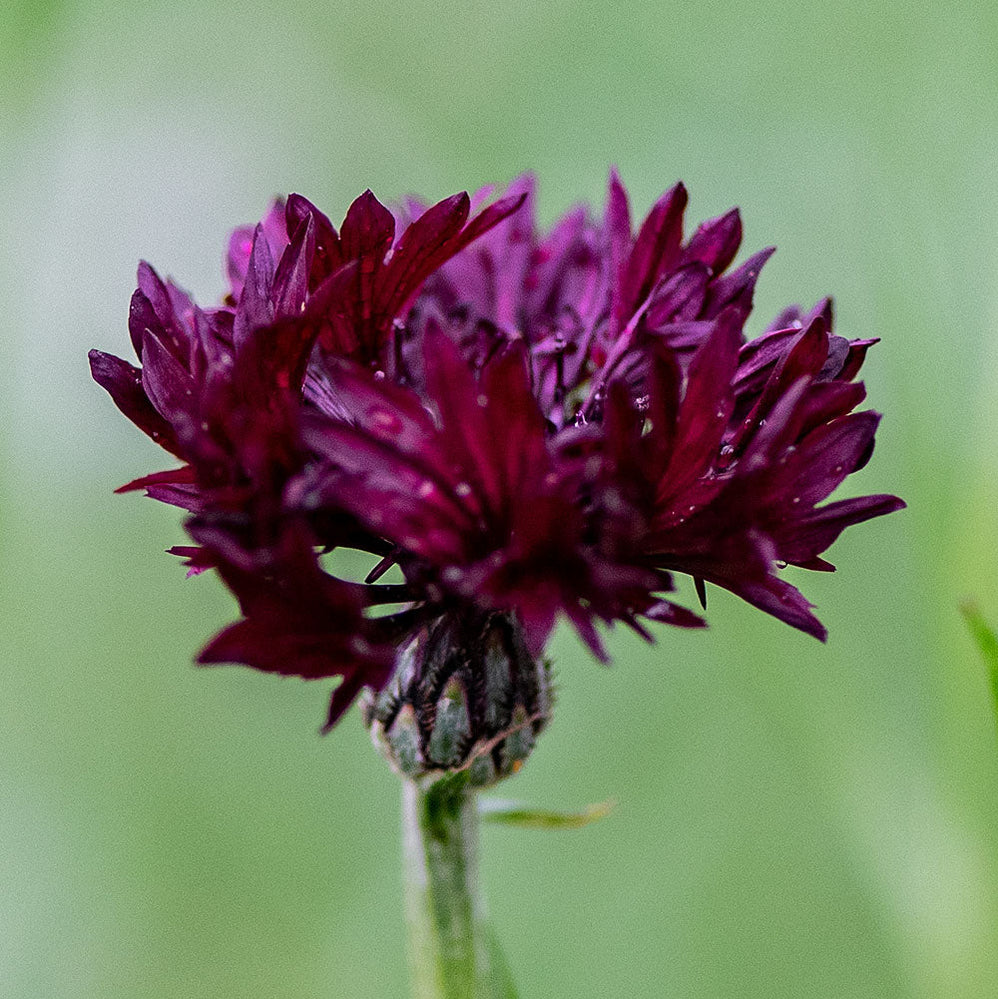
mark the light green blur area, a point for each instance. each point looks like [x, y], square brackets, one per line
[793, 820]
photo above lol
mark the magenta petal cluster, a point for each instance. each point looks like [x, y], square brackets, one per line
[518, 422]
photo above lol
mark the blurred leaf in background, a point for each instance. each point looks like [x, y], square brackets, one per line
[794, 819]
[987, 642]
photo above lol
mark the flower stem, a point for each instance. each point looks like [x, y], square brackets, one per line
[452, 953]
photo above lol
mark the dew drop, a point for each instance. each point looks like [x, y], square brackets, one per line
[379, 375]
[780, 564]
[462, 489]
[425, 489]
[796, 499]
[482, 400]
[385, 419]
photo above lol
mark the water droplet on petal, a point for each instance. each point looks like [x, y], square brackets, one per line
[385, 420]
[780, 564]
[462, 489]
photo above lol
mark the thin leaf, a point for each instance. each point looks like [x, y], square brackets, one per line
[512, 813]
[501, 976]
[987, 641]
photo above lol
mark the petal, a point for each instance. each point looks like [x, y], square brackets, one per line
[255, 308]
[328, 252]
[617, 225]
[680, 297]
[655, 251]
[167, 384]
[171, 476]
[706, 408]
[715, 242]
[291, 278]
[367, 230]
[424, 245]
[735, 289]
[822, 461]
[123, 382]
[807, 537]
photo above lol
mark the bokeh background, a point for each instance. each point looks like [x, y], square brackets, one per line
[793, 819]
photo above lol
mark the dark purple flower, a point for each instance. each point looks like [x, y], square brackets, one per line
[521, 425]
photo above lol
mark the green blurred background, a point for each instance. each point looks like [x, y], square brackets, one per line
[793, 819]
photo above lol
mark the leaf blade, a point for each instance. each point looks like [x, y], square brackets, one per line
[987, 643]
[512, 813]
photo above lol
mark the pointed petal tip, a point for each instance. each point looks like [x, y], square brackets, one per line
[677, 194]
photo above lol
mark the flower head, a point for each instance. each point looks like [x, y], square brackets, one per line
[521, 424]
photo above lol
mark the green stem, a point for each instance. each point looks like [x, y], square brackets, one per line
[451, 951]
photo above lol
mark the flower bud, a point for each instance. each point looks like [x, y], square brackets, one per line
[466, 697]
